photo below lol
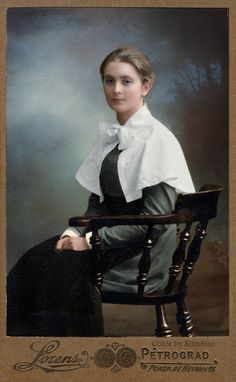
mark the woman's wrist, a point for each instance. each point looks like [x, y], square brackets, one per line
[70, 232]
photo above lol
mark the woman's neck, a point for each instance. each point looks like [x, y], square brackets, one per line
[122, 118]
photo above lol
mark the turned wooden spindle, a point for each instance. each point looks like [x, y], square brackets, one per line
[95, 241]
[145, 262]
[193, 252]
[178, 256]
[163, 329]
[184, 319]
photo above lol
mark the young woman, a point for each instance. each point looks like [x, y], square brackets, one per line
[136, 167]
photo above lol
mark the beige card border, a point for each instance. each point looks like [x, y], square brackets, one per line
[16, 351]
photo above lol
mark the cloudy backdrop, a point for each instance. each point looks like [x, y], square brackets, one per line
[55, 102]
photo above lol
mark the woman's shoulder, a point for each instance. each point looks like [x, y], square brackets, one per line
[161, 133]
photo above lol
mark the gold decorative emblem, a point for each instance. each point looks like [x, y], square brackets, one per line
[115, 356]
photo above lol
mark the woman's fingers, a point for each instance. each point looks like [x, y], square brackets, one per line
[60, 245]
[73, 243]
[78, 244]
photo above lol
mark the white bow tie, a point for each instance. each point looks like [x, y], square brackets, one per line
[114, 132]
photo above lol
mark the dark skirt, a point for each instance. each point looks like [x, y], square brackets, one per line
[50, 294]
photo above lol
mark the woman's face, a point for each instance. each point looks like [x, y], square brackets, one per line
[123, 88]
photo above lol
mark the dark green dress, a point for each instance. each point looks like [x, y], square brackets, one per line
[52, 294]
[121, 243]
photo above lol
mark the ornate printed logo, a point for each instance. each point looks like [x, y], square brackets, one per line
[115, 357]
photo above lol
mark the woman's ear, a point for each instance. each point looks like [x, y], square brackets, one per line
[146, 88]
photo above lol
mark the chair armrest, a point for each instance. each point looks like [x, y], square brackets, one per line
[190, 207]
[96, 222]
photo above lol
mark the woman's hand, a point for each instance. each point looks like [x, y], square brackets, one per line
[73, 243]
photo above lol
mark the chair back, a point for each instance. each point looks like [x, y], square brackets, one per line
[198, 207]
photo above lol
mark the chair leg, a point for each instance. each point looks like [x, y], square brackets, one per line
[163, 329]
[184, 319]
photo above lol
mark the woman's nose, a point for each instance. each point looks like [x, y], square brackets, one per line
[117, 87]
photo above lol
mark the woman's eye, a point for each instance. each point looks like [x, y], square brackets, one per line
[109, 81]
[126, 82]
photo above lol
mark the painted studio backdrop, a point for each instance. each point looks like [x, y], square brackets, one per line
[55, 101]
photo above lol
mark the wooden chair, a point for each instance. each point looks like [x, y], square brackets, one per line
[196, 208]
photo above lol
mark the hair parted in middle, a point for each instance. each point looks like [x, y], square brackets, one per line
[133, 56]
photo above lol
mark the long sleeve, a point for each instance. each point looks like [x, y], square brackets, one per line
[158, 199]
[95, 208]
